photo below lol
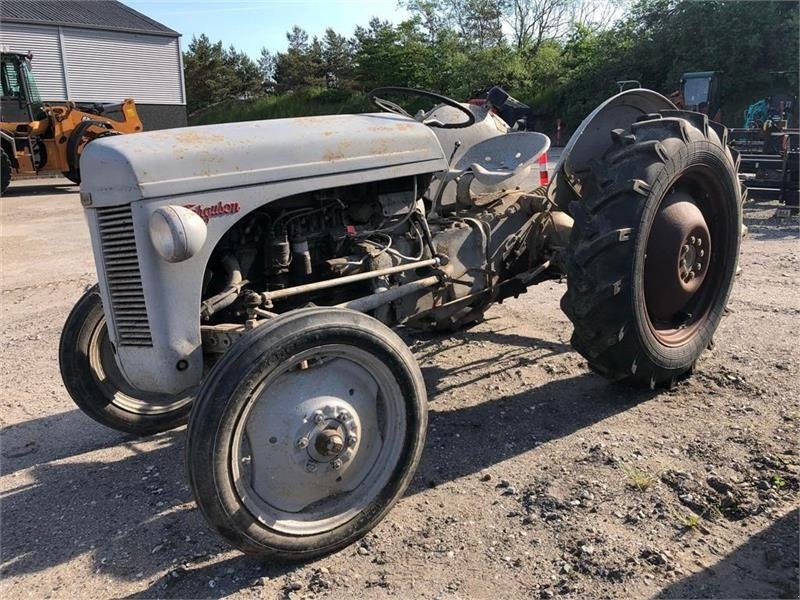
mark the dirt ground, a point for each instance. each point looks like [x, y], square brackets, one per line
[539, 479]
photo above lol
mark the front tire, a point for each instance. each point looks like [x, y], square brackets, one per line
[306, 432]
[654, 249]
[95, 383]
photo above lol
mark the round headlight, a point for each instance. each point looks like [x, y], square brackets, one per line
[177, 233]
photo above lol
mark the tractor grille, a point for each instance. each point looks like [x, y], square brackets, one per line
[121, 262]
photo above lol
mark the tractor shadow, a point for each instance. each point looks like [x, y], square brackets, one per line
[763, 567]
[125, 504]
[518, 351]
[52, 438]
[465, 441]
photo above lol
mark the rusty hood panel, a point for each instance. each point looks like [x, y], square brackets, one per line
[213, 157]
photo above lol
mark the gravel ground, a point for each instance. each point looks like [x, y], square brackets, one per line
[539, 479]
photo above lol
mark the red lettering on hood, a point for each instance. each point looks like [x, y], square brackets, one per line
[220, 209]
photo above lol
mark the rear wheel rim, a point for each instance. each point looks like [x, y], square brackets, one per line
[683, 273]
[307, 458]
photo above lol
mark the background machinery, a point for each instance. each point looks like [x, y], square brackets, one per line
[36, 137]
[700, 92]
[769, 143]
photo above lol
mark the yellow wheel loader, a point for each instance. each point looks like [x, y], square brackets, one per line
[36, 137]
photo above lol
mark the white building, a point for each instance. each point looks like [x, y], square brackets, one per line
[99, 51]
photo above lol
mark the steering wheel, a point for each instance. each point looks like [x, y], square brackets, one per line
[391, 107]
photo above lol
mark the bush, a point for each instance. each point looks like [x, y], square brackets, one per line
[303, 103]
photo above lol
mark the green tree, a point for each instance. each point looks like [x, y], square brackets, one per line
[337, 58]
[266, 67]
[246, 81]
[561, 56]
[208, 75]
[392, 55]
[301, 65]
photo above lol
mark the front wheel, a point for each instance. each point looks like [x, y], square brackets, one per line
[306, 432]
[94, 381]
[654, 249]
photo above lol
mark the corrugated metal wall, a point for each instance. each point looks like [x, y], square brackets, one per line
[43, 42]
[108, 66]
[100, 66]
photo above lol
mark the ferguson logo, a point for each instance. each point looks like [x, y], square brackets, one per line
[220, 209]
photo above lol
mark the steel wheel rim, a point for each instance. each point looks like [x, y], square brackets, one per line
[268, 467]
[123, 395]
[707, 193]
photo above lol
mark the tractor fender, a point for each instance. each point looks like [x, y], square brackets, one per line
[591, 139]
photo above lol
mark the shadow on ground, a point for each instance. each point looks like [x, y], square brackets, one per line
[53, 438]
[772, 227]
[135, 517]
[40, 189]
[764, 567]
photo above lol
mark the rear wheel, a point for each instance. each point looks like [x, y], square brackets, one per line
[94, 381]
[306, 432]
[654, 248]
[73, 176]
[5, 171]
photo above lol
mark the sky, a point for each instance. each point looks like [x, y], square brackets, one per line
[251, 24]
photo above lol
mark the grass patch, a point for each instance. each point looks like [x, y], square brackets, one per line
[688, 521]
[692, 521]
[778, 482]
[637, 478]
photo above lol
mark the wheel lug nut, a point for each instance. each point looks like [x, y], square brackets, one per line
[336, 464]
[302, 442]
[318, 418]
[352, 441]
[699, 242]
[343, 416]
[698, 266]
[691, 240]
[702, 253]
[311, 467]
[684, 249]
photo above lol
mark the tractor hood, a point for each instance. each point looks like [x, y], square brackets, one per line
[126, 168]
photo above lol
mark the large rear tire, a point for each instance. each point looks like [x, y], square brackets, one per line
[73, 176]
[97, 386]
[306, 432]
[5, 171]
[654, 249]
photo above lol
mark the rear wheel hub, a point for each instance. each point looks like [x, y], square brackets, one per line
[678, 253]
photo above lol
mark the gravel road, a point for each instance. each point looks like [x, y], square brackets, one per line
[539, 479]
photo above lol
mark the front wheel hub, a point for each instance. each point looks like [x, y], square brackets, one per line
[678, 255]
[328, 438]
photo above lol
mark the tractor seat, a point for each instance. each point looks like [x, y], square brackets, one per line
[499, 160]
